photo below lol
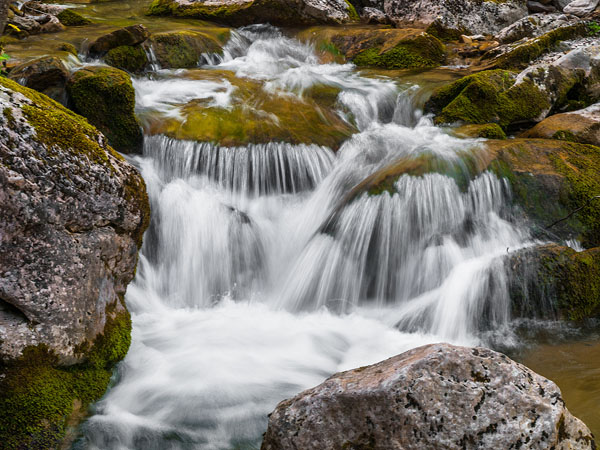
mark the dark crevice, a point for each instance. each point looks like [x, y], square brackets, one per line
[11, 312]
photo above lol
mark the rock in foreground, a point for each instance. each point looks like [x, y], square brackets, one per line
[436, 396]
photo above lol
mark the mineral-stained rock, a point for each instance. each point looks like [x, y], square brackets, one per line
[47, 74]
[436, 396]
[105, 96]
[132, 35]
[576, 126]
[73, 214]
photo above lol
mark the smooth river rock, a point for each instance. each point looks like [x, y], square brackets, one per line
[436, 396]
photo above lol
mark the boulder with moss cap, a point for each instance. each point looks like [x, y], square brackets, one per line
[245, 12]
[105, 96]
[73, 215]
[132, 35]
[184, 49]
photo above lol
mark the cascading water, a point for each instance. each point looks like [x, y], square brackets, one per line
[260, 276]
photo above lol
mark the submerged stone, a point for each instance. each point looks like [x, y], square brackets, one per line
[433, 396]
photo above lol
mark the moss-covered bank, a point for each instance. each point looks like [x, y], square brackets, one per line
[105, 96]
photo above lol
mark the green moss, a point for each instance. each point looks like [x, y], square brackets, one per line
[444, 33]
[522, 55]
[69, 48]
[105, 96]
[580, 165]
[59, 128]
[488, 131]
[564, 135]
[161, 7]
[37, 396]
[183, 49]
[10, 119]
[423, 51]
[196, 9]
[352, 11]
[130, 58]
[489, 97]
[70, 18]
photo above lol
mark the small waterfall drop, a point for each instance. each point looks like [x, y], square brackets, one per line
[260, 276]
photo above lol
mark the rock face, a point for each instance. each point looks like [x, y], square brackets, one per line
[581, 7]
[105, 96]
[469, 16]
[73, 214]
[576, 126]
[436, 396]
[244, 12]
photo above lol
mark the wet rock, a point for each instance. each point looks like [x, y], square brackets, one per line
[35, 7]
[185, 49]
[105, 96]
[432, 396]
[71, 18]
[73, 214]
[577, 126]
[533, 26]
[245, 12]
[52, 25]
[550, 282]
[27, 25]
[132, 35]
[537, 7]
[549, 180]
[581, 7]
[47, 74]
[472, 17]
[488, 131]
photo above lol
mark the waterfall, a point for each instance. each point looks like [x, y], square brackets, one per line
[261, 275]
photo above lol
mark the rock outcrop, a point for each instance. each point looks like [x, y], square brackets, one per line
[73, 214]
[105, 96]
[436, 396]
[245, 12]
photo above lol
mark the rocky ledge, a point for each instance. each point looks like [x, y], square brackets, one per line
[436, 396]
[73, 215]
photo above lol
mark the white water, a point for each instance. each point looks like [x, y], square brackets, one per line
[259, 278]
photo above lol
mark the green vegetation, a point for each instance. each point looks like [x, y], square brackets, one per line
[196, 10]
[422, 51]
[37, 395]
[593, 28]
[70, 18]
[352, 12]
[126, 57]
[105, 96]
[69, 48]
[489, 97]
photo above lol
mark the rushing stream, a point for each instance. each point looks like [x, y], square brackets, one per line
[260, 277]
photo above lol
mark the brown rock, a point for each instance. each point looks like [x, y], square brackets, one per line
[132, 35]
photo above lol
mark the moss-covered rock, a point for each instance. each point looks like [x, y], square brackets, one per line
[133, 59]
[552, 281]
[503, 97]
[245, 12]
[581, 126]
[550, 179]
[258, 117]
[131, 35]
[71, 18]
[520, 55]
[69, 48]
[183, 49]
[74, 212]
[105, 96]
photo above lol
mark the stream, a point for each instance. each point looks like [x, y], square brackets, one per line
[266, 268]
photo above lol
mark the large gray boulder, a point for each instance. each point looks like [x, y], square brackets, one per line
[436, 396]
[581, 7]
[470, 16]
[73, 214]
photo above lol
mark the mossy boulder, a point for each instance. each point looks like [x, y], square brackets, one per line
[551, 179]
[257, 117]
[105, 96]
[488, 131]
[552, 282]
[133, 59]
[386, 48]
[504, 97]
[184, 49]
[73, 215]
[245, 12]
[71, 18]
